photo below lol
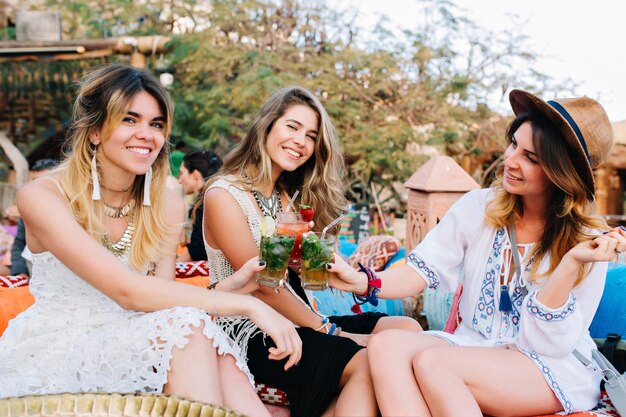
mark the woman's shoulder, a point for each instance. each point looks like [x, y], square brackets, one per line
[228, 183]
[40, 190]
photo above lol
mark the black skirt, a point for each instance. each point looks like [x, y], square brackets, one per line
[313, 383]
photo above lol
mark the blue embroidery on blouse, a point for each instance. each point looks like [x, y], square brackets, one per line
[554, 385]
[541, 313]
[486, 307]
[433, 279]
[486, 312]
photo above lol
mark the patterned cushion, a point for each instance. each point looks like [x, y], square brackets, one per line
[13, 281]
[192, 269]
[375, 251]
[270, 395]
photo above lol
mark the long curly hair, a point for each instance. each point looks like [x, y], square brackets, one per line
[571, 213]
[104, 97]
[320, 179]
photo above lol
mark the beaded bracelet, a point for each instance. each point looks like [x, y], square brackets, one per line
[323, 326]
[374, 284]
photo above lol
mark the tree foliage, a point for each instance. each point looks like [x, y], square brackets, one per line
[395, 97]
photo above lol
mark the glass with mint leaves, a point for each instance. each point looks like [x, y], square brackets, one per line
[317, 251]
[275, 250]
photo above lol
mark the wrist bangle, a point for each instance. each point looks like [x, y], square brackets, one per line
[332, 329]
[212, 286]
[323, 326]
[374, 284]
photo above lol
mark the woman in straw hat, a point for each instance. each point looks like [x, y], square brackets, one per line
[98, 226]
[532, 258]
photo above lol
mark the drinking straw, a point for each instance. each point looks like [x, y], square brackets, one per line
[334, 222]
[293, 198]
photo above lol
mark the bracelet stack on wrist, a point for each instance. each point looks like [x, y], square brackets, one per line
[332, 330]
[374, 284]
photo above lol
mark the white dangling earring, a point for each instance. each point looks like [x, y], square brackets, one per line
[146, 187]
[95, 195]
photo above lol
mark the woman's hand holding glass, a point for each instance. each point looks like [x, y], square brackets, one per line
[345, 278]
[243, 281]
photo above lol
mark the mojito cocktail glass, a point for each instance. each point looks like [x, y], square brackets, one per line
[316, 253]
[275, 251]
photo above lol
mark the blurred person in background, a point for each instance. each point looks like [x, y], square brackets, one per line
[195, 169]
[20, 264]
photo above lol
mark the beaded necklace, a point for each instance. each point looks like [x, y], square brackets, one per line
[122, 246]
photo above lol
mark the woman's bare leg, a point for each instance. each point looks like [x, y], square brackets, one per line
[397, 322]
[194, 372]
[357, 392]
[237, 392]
[397, 391]
[470, 381]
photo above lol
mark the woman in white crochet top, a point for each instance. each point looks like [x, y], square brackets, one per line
[96, 225]
[291, 146]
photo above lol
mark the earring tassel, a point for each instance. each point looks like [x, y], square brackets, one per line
[505, 299]
[95, 195]
[146, 187]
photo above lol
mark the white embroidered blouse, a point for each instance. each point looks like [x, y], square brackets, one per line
[463, 246]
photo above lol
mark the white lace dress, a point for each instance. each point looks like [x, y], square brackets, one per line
[76, 339]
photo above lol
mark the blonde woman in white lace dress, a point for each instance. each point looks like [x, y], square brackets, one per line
[109, 317]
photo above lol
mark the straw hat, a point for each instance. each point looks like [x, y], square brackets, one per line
[583, 123]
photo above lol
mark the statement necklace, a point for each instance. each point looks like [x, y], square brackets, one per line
[122, 246]
[269, 206]
[117, 212]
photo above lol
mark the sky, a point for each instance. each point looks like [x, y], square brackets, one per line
[580, 39]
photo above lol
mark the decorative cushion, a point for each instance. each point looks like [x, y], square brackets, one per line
[14, 301]
[271, 395]
[190, 269]
[375, 252]
[13, 281]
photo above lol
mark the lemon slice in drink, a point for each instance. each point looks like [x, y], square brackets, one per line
[268, 226]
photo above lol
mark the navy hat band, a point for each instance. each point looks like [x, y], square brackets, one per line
[573, 125]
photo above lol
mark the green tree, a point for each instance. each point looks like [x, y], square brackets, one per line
[391, 95]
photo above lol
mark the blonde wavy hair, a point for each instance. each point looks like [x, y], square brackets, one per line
[571, 213]
[320, 179]
[103, 99]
